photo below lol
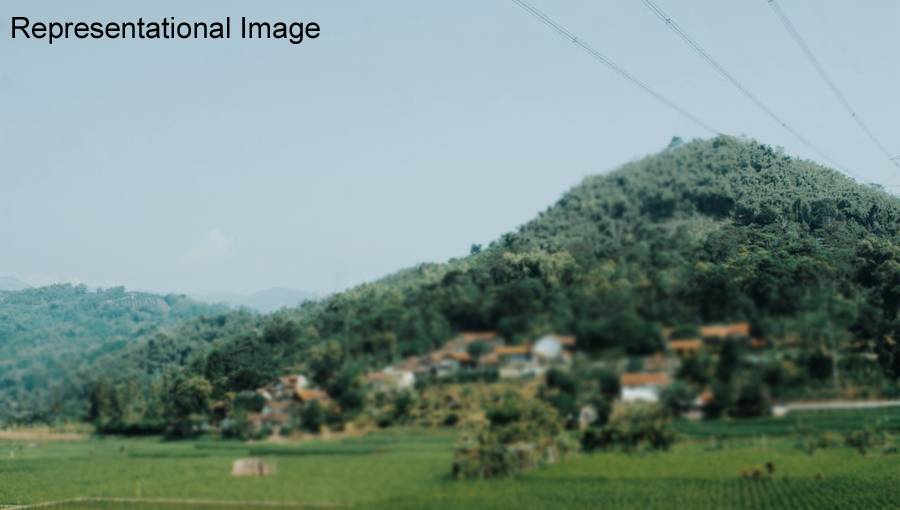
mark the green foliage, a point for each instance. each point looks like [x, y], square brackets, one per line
[521, 434]
[478, 349]
[677, 398]
[705, 231]
[249, 401]
[49, 336]
[187, 405]
[752, 400]
[313, 417]
[630, 428]
[865, 439]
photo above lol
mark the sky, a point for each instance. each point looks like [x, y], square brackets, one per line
[406, 132]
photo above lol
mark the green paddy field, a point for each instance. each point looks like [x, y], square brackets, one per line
[410, 469]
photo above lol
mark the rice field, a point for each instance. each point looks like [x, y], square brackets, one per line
[410, 469]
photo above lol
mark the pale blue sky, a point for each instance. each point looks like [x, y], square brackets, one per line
[407, 131]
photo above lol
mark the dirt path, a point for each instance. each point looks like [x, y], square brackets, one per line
[833, 405]
[40, 435]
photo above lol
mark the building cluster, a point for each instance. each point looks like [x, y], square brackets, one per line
[282, 399]
[486, 350]
[480, 350]
[658, 370]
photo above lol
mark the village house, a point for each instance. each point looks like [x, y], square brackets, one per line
[511, 361]
[390, 379]
[711, 333]
[554, 348]
[725, 331]
[283, 399]
[516, 361]
[643, 386]
[686, 347]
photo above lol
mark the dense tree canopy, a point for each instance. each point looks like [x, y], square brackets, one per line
[715, 230]
[49, 335]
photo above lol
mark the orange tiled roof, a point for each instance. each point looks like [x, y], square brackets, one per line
[474, 336]
[462, 357]
[310, 395]
[725, 330]
[691, 345]
[566, 340]
[644, 379]
[513, 350]
[490, 359]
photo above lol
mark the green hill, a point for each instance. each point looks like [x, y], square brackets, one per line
[722, 229]
[49, 335]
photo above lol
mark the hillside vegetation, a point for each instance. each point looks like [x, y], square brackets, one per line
[707, 231]
[49, 335]
[715, 230]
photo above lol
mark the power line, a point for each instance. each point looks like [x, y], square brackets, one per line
[792, 30]
[731, 79]
[612, 65]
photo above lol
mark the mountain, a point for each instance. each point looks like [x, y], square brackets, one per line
[713, 230]
[265, 301]
[8, 283]
[50, 335]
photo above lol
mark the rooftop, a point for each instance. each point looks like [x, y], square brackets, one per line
[645, 379]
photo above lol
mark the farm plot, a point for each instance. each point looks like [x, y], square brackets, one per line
[409, 469]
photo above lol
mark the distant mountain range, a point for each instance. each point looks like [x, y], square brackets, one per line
[10, 283]
[264, 301]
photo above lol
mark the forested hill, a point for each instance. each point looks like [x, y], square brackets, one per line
[722, 229]
[49, 334]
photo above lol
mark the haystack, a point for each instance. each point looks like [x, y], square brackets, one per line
[251, 467]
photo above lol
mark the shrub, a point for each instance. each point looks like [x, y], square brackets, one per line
[520, 434]
[810, 441]
[752, 401]
[678, 398]
[403, 404]
[237, 426]
[313, 417]
[451, 420]
[820, 365]
[631, 427]
[864, 439]
[249, 401]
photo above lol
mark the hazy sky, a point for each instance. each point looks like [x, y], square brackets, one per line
[407, 131]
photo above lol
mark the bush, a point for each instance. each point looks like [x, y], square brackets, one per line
[313, 417]
[864, 439]
[249, 401]
[237, 426]
[631, 427]
[403, 404]
[678, 398]
[752, 401]
[451, 420]
[810, 441]
[820, 365]
[520, 434]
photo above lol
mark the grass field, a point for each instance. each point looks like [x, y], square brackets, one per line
[409, 469]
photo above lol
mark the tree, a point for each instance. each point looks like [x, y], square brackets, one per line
[752, 400]
[677, 398]
[478, 349]
[188, 405]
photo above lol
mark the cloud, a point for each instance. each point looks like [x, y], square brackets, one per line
[216, 244]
